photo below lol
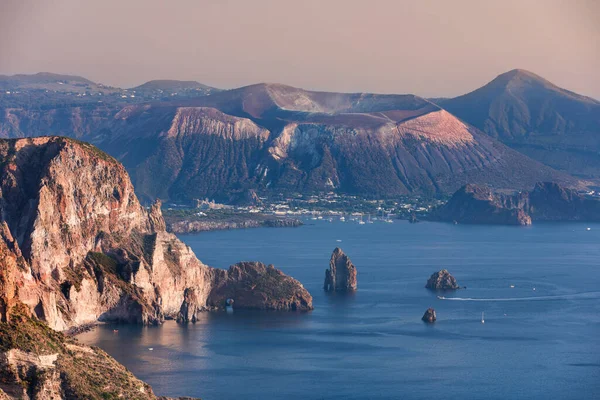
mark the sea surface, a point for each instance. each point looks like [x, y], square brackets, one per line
[540, 340]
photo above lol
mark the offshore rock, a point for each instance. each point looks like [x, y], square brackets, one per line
[253, 285]
[429, 315]
[442, 280]
[189, 307]
[341, 275]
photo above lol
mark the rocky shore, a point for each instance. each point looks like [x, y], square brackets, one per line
[548, 201]
[202, 224]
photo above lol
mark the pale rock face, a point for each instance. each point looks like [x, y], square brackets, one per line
[210, 121]
[13, 361]
[437, 127]
[79, 246]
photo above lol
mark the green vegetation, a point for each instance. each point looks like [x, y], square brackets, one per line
[83, 372]
[93, 150]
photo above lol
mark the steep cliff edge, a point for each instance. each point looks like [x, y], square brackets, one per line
[548, 201]
[84, 249]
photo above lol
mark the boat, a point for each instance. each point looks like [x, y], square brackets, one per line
[361, 222]
[342, 219]
[589, 229]
[512, 286]
[369, 219]
[482, 320]
[441, 297]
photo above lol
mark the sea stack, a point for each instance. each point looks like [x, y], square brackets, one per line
[429, 315]
[341, 275]
[442, 280]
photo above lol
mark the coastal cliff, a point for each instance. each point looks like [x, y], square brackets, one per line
[548, 201]
[85, 248]
[76, 246]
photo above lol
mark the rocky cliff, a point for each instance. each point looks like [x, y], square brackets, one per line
[271, 137]
[474, 204]
[341, 274]
[40, 364]
[254, 285]
[85, 249]
[548, 201]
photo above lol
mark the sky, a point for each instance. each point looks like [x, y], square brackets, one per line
[429, 48]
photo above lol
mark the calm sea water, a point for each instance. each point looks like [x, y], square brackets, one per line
[535, 344]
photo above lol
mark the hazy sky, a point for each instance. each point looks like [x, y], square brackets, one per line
[430, 48]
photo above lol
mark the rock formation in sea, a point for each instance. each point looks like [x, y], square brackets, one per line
[429, 315]
[548, 201]
[86, 250]
[254, 285]
[442, 280]
[341, 275]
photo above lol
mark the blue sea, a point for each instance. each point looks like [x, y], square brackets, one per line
[540, 340]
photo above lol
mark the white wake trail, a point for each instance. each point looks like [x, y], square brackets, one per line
[575, 296]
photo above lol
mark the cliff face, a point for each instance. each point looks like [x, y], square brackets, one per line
[474, 204]
[548, 201]
[82, 248]
[341, 275]
[270, 137]
[253, 285]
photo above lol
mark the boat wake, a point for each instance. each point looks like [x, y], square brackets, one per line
[575, 296]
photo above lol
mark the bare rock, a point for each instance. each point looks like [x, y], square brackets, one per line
[80, 248]
[442, 280]
[429, 315]
[253, 285]
[341, 275]
[189, 307]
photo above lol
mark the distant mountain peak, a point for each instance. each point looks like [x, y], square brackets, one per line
[171, 84]
[521, 78]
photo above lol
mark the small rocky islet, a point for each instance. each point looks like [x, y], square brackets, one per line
[442, 280]
[429, 315]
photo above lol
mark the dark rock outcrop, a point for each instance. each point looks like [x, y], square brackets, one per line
[341, 275]
[254, 285]
[189, 307]
[548, 201]
[429, 315]
[474, 204]
[442, 280]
